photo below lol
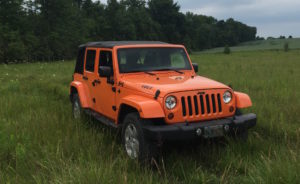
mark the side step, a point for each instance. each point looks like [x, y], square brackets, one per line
[101, 118]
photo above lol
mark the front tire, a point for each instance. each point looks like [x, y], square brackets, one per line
[136, 145]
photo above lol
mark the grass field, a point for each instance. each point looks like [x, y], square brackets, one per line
[273, 44]
[40, 143]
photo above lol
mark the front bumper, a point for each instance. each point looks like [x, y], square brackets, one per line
[206, 129]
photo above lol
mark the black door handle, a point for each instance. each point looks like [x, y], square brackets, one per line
[96, 82]
[85, 78]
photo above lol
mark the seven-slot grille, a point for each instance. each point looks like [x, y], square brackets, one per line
[201, 104]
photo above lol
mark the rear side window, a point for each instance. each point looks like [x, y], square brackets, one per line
[90, 60]
[80, 61]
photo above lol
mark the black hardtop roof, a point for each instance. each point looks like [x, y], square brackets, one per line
[111, 44]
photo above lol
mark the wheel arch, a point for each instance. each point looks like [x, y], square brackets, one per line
[81, 89]
[242, 100]
[145, 107]
[123, 111]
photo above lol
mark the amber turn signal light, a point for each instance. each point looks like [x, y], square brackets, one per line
[171, 116]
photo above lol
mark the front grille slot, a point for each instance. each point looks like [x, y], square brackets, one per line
[207, 104]
[201, 104]
[196, 105]
[183, 106]
[219, 103]
[190, 106]
[213, 103]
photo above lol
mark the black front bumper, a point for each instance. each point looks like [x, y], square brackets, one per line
[206, 129]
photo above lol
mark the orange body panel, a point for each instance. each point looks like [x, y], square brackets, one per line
[138, 91]
[242, 100]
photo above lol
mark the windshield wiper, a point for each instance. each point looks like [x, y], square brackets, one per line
[149, 73]
[136, 71]
[170, 69]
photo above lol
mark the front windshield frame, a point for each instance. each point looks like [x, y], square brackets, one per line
[181, 50]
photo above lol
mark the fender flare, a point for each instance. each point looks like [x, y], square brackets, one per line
[147, 108]
[82, 89]
[242, 100]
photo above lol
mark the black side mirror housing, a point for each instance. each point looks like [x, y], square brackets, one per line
[195, 66]
[105, 71]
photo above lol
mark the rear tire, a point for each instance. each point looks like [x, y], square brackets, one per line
[136, 145]
[77, 111]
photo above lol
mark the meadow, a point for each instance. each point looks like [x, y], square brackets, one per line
[41, 143]
[271, 44]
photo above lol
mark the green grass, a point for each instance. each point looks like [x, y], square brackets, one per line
[274, 44]
[40, 143]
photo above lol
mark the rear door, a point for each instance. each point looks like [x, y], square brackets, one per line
[90, 72]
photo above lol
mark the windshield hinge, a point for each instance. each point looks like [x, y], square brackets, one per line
[156, 94]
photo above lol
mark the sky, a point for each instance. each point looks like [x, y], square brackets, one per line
[271, 17]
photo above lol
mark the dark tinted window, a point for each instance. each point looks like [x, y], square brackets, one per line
[80, 60]
[90, 60]
[105, 59]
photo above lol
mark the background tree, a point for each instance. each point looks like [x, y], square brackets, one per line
[226, 49]
[47, 30]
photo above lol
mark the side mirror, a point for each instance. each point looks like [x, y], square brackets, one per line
[195, 66]
[104, 71]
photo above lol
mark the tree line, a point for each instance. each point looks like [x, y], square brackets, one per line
[47, 30]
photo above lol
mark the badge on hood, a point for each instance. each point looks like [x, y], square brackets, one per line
[177, 77]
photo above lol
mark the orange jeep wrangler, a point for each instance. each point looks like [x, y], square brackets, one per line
[152, 93]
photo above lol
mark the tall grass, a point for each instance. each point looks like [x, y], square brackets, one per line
[41, 143]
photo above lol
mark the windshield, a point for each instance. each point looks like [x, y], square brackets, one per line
[152, 59]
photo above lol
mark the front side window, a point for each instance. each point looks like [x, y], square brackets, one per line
[152, 59]
[105, 59]
[90, 60]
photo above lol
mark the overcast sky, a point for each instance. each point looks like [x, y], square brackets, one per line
[271, 17]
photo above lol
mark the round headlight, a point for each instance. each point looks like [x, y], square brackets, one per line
[227, 96]
[171, 102]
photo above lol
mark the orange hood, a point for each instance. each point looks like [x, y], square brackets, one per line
[168, 83]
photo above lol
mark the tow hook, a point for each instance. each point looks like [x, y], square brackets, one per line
[199, 132]
[226, 128]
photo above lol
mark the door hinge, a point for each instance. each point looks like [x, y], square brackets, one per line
[94, 100]
[113, 89]
[114, 108]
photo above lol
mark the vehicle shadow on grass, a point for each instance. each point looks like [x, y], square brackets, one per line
[194, 149]
[111, 134]
[204, 153]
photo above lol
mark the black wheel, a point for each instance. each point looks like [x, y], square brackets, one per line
[240, 134]
[77, 110]
[136, 145]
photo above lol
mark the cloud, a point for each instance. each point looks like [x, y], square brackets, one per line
[271, 17]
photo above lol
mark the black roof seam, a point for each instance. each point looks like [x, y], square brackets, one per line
[111, 44]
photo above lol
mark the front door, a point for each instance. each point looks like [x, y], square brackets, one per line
[106, 94]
